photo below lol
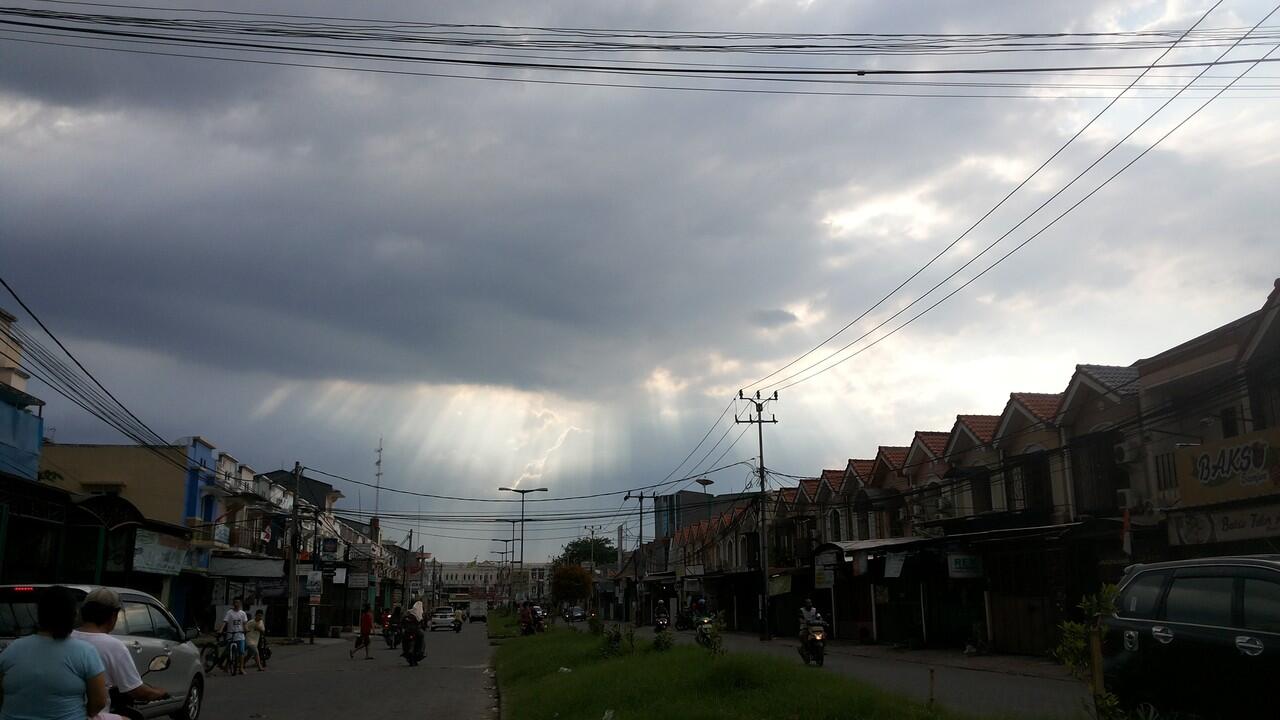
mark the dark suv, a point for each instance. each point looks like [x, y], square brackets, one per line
[1197, 636]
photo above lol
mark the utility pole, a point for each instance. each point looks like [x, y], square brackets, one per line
[759, 421]
[639, 554]
[591, 597]
[293, 554]
[377, 482]
[315, 563]
[406, 565]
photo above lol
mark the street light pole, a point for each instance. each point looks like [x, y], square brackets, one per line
[523, 492]
[704, 482]
[591, 597]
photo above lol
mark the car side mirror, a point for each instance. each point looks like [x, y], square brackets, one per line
[158, 663]
[191, 633]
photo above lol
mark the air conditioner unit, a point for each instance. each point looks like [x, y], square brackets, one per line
[1128, 499]
[1127, 452]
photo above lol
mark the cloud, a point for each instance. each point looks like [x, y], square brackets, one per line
[771, 319]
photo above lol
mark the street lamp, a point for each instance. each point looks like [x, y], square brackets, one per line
[704, 482]
[523, 492]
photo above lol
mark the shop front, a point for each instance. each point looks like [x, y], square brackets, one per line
[1230, 497]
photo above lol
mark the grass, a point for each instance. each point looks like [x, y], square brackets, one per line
[685, 682]
[502, 624]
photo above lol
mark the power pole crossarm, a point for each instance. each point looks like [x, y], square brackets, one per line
[763, 520]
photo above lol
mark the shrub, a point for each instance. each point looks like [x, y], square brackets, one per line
[663, 641]
[612, 642]
[595, 625]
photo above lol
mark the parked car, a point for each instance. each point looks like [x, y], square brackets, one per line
[145, 626]
[575, 614]
[1196, 636]
[441, 617]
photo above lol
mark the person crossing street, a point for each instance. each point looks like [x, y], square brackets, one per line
[366, 630]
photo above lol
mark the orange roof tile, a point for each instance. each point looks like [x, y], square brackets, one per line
[934, 441]
[893, 455]
[983, 427]
[862, 468]
[811, 487]
[834, 479]
[1042, 405]
[789, 496]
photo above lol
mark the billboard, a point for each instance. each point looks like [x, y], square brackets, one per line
[1236, 468]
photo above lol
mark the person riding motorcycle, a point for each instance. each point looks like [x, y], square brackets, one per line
[809, 615]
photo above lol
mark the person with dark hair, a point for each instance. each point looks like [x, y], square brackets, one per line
[50, 675]
[366, 629]
[99, 613]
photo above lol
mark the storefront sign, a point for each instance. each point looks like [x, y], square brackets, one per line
[315, 599]
[1197, 528]
[358, 580]
[893, 563]
[1241, 467]
[824, 577]
[694, 570]
[157, 553]
[222, 533]
[963, 566]
[315, 582]
[780, 585]
[329, 549]
[340, 576]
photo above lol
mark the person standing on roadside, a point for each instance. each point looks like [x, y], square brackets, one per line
[233, 623]
[366, 630]
[50, 675]
[255, 634]
[98, 614]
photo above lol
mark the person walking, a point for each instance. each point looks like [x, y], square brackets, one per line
[50, 675]
[99, 613]
[233, 623]
[254, 637]
[366, 630]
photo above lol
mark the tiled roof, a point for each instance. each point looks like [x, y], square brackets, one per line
[1121, 380]
[893, 455]
[811, 487]
[1043, 405]
[835, 479]
[789, 495]
[935, 441]
[863, 468]
[983, 427]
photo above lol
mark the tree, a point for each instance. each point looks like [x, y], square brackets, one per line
[578, 551]
[570, 583]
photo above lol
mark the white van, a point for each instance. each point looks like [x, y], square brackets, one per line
[479, 610]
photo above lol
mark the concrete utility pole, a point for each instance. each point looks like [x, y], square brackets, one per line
[293, 554]
[759, 421]
[639, 555]
[315, 563]
[591, 597]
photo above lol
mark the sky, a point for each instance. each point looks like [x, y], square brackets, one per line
[528, 285]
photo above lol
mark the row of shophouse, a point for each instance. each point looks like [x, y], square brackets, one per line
[187, 522]
[988, 533]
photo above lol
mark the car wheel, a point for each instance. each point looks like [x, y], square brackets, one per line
[194, 703]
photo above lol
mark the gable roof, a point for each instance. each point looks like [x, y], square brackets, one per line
[1042, 406]
[834, 480]
[1121, 380]
[861, 468]
[810, 488]
[894, 455]
[982, 427]
[935, 441]
[788, 496]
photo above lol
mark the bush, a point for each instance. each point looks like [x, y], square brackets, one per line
[595, 625]
[717, 634]
[663, 641]
[612, 642]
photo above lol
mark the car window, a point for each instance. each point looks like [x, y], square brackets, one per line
[122, 625]
[17, 619]
[139, 620]
[1262, 605]
[1200, 601]
[164, 627]
[1140, 596]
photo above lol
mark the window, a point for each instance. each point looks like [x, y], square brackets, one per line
[164, 627]
[1140, 596]
[1262, 605]
[864, 525]
[1230, 422]
[1200, 601]
[138, 618]
[835, 526]
[1166, 472]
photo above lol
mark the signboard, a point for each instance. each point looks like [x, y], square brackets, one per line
[824, 577]
[315, 582]
[963, 566]
[1198, 528]
[315, 599]
[358, 580]
[893, 563]
[340, 576]
[695, 570]
[222, 533]
[1244, 466]
[157, 553]
[361, 550]
[329, 549]
[780, 585]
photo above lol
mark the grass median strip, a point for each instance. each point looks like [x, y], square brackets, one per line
[684, 682]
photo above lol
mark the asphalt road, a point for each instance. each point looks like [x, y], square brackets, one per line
[306, 682]
[978, 692]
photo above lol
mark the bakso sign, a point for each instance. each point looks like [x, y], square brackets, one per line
[1236, 468]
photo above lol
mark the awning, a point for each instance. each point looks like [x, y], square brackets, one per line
[849, 548]
[246, 567]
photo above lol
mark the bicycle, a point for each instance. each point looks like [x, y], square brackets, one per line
[224, 654]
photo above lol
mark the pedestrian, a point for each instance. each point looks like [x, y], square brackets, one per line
[233, 624]
[50, 675]
[366, 629]
[98, 615]
[255, 640]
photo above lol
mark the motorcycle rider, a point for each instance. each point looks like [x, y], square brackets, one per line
[809, 615]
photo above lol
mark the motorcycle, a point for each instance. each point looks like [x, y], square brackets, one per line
[457, 626]
[661, 623]
[703, 632]
[122, 704]
[414, 642]
[813, 642]
[390, 632]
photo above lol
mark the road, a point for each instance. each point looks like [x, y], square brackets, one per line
[306, 682]
[973, 691]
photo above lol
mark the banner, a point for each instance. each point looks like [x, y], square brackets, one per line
[157, 553]
[358, 580]
[1236, 468]
[315, 582]
[1198, 528]
[893, 563]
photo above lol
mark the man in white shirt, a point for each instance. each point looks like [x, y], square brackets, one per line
[233, 624]
[99, 613]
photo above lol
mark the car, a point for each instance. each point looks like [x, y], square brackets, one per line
[575, 614]
[478, 610]
[145, 626]
[1195, 636]
[441, 617]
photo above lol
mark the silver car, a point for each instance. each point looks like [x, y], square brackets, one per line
[146, 628]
